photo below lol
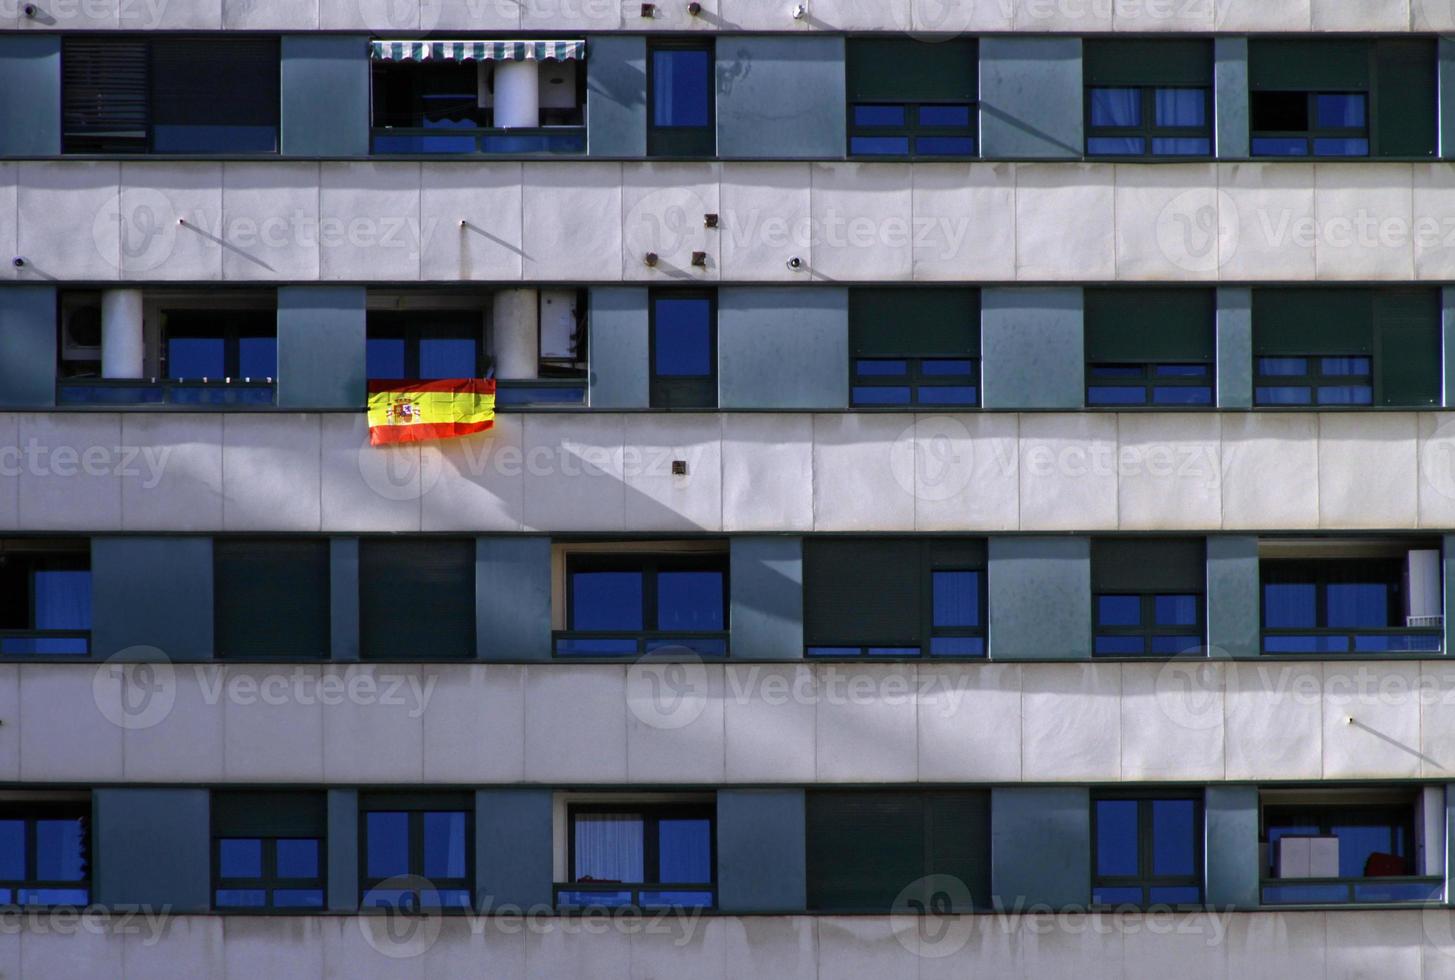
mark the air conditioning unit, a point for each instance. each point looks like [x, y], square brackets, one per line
[1425, 603]
[81, 330]
[558, 84]
[558, 324]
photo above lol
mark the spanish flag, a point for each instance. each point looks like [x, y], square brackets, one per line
[411, 411]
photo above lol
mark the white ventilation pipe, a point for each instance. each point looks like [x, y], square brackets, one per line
[515, 328]
[123, 342]
[517, 95]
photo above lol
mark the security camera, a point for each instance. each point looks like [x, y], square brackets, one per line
[795, 263]
[29, 10]
[18, 262]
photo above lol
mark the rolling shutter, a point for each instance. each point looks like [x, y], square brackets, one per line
[1126, 62]
[1150, 325]
[272, 598]
[104, 89]
[920, 322]
[215, 96]
[1407, 341]
[259, 814]
[904, 70]
[417, 599]
[862, 592]
[1309, 65]
[1405, 100]
[1148, 565]
[1296, 322]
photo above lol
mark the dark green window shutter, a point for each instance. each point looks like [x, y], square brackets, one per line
[1148, 565]
[903, 70]
[1147, 325]
[1309, 65]
[924, 322]
[271, 597]
[1407, 347]
[862, 592]
[269, 814]
[417, 599]
[1404, 112]
[104, 95]
[1126, 62]
[1312, 321]
[958, 847]
[863, 849]
[955, 552]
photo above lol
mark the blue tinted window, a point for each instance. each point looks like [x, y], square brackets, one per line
[956, 599]
[881, 395]
[1289, 606]
[1117, 371]
[242, 898]
[1181, 146]
[1345, 366]
[1128, 895]
[683, 338]
[12, 850]
[946, 367]
[1116, 146]
[879, 115]
[1326, 147]
[948, 395]
[388, 848]
[1116, 107]
[1174, 838]
[944, 115]
[1280, 146]
[1175, 610]
[441, 357]
[298, 858]
[957, 646]
[1172, 646]
[1116, 838]
[606, 601]
[896, 146]
[1181, 107]
[240, 858]
[1284, 395]
[1306, 644]
[1120, 646]
[1116, 395]
[879, 368]
[1361, 606]
[944, 146]
[1119, 610]
[62, 600]
[1180, 370]
[689, 601]
[1346, 395]
[298, 898]
[257, 357]
[384, 357]
[196, 357]
[681, 87]
[1339, 111]
[1175, 895]
[1182, 395]
[685, 851]
[444, 844]
[1283, 366]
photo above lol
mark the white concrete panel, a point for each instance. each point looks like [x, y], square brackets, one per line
[1152, 15]
[470, 15]
[1364, 214]
[954, 17]
[1274, 723]
[863, 224]
[1094, 16]
[859, 15]
[10, 722]
[764, 220]
[1048, 246]
[70, 221]
[1386, 945]
[261, 15]
[966, 472]
[270, 472]
[1068, 471]
[369, 488]
[767, 472]
[1433, 206]
[373, 723]
[184, 743]
[1172, 720]
[964, 222]
[1193, 952]
[9, 203]
[272, 722]
[373, 946]
[1260, 15]
[1167, 222]
[557, 953]
[80, 742]
[270, 221]
[70, 471]
[656, 500]
[863, 472]
[272, 946]
[674, 723]
[575, 723]
[782, 947]
[1437, 723]
[1071, 722]
[761, 15]
[1432, 15]
[1276, 945]
[663, 209]
[191, 948]
[474, 723]
[85, 954]
[10, 472]
[1269, 462]
[371, 226]
[1371, 720]
[469, 947]
[768, 718]
[571, 226]
[171, 217]
[852, 948]
[1437, 469]
[1266, 219]
[481, 483]
[61, 15]
[969, 719]
[582, 15]
[1064, 950]
[175, 483]
[1170, 471]
[574, 476]
[682, 948]
[478, 235]
[153, 15]
[865, 724]
[393, 18]
[1367, 469]
[1362, 15]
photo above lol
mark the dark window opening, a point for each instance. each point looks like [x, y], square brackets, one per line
[417, 599]
[1147, 851]
[681, 108]
[417, 851]
[425, 346]
[214, 344]
[683, 349]
[1320, 124]
[641, 856]
[1150, 348]
[1148, 597]
[914, 347]
[267, 850]
[627, 605]
[1148, 98]
[45, 597]
[271, 598]
[45, 853]
[912, 99]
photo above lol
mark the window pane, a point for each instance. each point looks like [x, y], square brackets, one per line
[948, 395]
[257, 357]
[892, 146]
[1116, 107]
[1289, 606]
[689, 601]
[1279, 112]
[1117, 896]
[944, 115]
[1116, 838]
[1346, 395]
[1283, 366]
[1181, 107]
[606, 601]
[12, 850]
[1326, 147]
[878, 115]
[680, 86]
[1358, 605]
[1175, 895]
[1345, 366]
[1119, 610]
[447, 357]
[1184, 395]
[1116, 146]
[956, 599]
[944, 146]
[298, 858]
[1175, 610]
[196, 357]
[444, 844]
[683, 338]
[384, 357]
[685, 851]
[62, 600]
[388, 852]
[242, 898]
[1284, 395]
[1181, 146]
[957, 646]
[1180, 370]
[1118, 371]
[609, 847]
[1174, 838]
[298, 898]
[947, 367]
[1339, 111]
[240, 858]
[1116, 395]
[877, 368]
[881, 395]
[1280, 146]
[1174, 646]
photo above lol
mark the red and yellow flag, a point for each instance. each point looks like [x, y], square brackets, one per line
[411, 411]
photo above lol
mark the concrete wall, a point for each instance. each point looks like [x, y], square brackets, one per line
[739, 724]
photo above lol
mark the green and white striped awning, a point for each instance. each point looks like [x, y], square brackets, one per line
[478, 51]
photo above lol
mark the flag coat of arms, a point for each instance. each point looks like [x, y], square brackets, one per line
[412, 411]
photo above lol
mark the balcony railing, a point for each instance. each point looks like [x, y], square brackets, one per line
[1410, 889]
[429, 141]
[540, 393]
[582, 895]
[45, 643]
[606, 645]
[231, 393]
[1322, 641]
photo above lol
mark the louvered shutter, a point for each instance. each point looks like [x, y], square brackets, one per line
[104, 90]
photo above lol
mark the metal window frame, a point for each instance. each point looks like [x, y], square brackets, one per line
[1149, 382]
[416, 809]
[682, 141]
[1148, 628]
[665, 391]
[1315, 132]
[269, 881]
[649, 565]
[1149, 130]
[652, 815]
[30, 814]
[914, 379]
[1145, 879]
[1319, 568]
[1315, 379]
[911, 131]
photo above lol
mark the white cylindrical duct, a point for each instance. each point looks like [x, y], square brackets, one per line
[515, 328]
[123, 342]
[1426, 602]
[517, 95]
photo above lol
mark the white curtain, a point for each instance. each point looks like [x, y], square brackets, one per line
[609, 847]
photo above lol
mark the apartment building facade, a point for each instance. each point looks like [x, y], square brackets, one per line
[971, 490]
